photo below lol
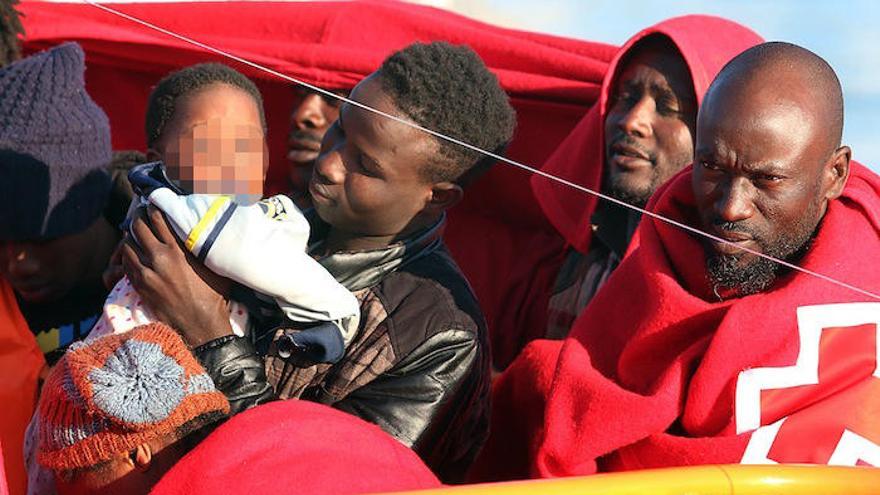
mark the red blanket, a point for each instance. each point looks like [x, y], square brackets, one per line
[4, 489]
[297, 447]
[21, 362]
[706, 43]
[656, 374]
[552, 82]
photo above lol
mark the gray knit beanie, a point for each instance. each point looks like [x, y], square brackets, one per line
[54, 147]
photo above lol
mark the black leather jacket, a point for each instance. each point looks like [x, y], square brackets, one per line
[418, 368]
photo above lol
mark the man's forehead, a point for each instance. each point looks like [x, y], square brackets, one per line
[766, 110]
[378, 130]
[754, 134]
[660, 54]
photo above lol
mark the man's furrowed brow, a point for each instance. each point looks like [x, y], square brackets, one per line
[768, 167]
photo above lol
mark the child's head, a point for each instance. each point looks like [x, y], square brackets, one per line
[378, 177]
[116, 413]
[206, 122]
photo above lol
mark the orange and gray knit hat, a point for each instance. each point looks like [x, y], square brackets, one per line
[105, 397]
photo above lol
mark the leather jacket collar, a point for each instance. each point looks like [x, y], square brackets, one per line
[357, 270]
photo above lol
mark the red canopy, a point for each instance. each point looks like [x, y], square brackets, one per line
[552, 82]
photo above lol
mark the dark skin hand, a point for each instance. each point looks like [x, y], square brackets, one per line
[178, 289]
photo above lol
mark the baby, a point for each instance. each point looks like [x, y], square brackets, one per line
[208, 197]
[205, 124]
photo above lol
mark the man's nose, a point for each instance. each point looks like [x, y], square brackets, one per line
[309, 114]
[637, 119]
[735, 201]
[329, 167]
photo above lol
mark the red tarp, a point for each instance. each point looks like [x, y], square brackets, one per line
[552, 82]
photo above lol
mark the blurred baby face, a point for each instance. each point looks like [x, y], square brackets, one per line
[218, 157]
[215, 144]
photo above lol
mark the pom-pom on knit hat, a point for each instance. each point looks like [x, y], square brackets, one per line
[107, 396]
[54, 147]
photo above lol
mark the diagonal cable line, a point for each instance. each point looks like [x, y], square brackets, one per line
[471, 147]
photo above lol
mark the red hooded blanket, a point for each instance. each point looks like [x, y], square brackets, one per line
[552, 81]
[706, 43]
[656, 372]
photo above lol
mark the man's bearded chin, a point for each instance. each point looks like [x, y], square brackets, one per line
[744, 273]
[618, 187]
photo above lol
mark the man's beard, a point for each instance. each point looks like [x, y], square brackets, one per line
[617, 188]
[726, 272]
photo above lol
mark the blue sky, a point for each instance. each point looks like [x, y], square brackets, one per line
[845, 33]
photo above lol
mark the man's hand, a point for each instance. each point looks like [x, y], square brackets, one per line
[178, 289]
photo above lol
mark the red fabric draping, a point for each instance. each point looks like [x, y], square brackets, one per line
[21, 362]
[4, 489]
[551, 80]
[657, 373]
[706, 43]
[297, 447]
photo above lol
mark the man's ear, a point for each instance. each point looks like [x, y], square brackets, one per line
[142, 457]
[837, 172]
[444, 195]
[153, 155]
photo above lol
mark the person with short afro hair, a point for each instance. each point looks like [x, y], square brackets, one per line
[448, 89]
[418, 365]
[164, 99]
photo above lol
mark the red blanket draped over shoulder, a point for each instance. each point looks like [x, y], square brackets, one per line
[706, 43]
[656, 372]
[552, 82]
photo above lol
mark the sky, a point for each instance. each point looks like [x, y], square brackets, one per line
[845, 33]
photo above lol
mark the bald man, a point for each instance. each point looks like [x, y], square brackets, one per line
[768, 160]
[700, 352]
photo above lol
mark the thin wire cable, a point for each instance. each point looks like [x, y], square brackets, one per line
[471, 147]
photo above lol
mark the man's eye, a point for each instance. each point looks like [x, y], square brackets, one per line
[369, 171]
[769, 178]
[667, 108]
[359, 164]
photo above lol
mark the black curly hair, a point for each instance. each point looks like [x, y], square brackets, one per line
[447, 88]
[163, 100]
[10, 32]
